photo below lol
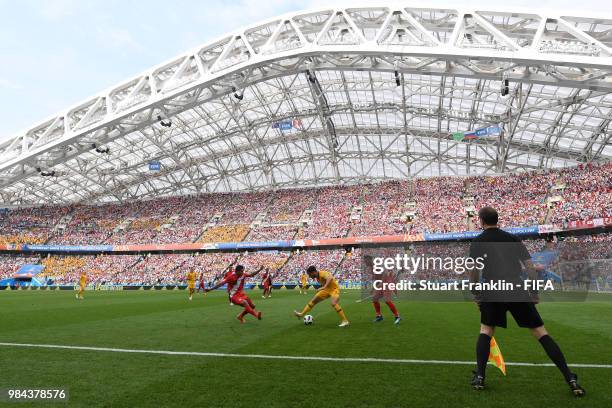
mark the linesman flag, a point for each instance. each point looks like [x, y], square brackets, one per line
[495, 356]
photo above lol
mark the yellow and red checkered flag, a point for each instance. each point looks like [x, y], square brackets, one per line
[495, 356]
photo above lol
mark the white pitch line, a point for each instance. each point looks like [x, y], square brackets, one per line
[277, 357]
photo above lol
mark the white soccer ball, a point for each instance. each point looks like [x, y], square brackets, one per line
[308, 320]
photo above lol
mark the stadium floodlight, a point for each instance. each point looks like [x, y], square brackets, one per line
[505, 87]
[397, 78]
[45, 173]
[100, 149]
[164, 123]
[237, 95]
[311, 77]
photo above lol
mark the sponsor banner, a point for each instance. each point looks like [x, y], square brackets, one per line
[158, 247]
[255, 245]
[288, 124]
[548, 228]
[533, 230]
[154, 166]
[67, 248]
[589, 223]
[478, 133]
[304, 243]
[452, 236]
[361, 240]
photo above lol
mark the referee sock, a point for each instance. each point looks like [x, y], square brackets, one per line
[340, 312]
[556, 355]
[483, 347]
[377, 307]
[307, 308]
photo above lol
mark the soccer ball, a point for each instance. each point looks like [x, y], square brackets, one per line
[308, 320]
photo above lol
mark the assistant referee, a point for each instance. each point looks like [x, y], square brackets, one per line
[505, 256]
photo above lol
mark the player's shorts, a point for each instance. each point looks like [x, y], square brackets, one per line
[524, 313]
[266, 285]
[382, 294]
[238, 298]
[304, 285]
[191, 285]
[324, 294]
[82, 287]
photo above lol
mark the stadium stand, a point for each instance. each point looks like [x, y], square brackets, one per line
[440, 204]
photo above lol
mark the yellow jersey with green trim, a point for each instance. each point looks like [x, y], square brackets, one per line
[322, 278]
[191, 278]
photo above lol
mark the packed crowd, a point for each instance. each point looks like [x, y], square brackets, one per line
[439, 205]
[287, 267]
[372, 209]
[272, 233]
[225, 233]
[590, 197]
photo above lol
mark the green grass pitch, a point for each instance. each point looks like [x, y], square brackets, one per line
[166, 320]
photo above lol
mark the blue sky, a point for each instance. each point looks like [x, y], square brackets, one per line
[56, 53]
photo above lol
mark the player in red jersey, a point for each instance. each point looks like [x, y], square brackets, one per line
[222, 275]
[387, 295]
[235, 287]
[266, 282]
[201, 284]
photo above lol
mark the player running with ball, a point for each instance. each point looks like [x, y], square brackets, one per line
[329, 289]
[235, 286]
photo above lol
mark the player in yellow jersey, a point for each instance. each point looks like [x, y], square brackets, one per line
[82, 284]
[329, 289]
[191, 279]
[304, 283]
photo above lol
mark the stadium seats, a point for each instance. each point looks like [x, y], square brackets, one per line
[436, 205]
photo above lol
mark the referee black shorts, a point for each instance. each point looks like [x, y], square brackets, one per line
[524, 313]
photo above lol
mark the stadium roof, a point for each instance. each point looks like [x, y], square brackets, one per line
[332, 96]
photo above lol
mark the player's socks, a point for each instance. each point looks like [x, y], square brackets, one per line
[556, 355]
[483, 347]
[250, 310]
[393, 309]
[307, 308]
[340, 312]
[377, 307]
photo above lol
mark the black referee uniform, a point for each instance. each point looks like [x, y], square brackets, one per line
[504, 255]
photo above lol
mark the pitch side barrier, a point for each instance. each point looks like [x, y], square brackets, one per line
[574, 227]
